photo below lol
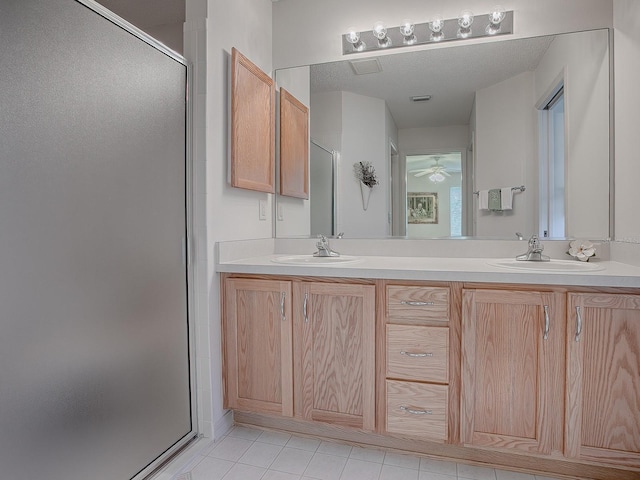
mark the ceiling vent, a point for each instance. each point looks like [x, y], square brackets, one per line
[420, 98]
[366, 66]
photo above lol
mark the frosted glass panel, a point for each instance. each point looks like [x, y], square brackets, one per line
[94, 371]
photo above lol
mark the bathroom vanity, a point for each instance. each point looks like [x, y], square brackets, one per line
[449, 357]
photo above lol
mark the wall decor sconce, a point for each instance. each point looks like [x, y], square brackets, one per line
[437, 29]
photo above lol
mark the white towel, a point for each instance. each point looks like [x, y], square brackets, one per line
[483, 200]
[506, 198]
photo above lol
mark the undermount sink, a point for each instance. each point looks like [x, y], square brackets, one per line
[552, 266]
[311, 260]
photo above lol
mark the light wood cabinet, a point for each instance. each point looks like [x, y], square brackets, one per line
[258, 345]
[603, 378]
[334, 352]
[417, 409]
[467, 371]
[512, 370]
[416, 362]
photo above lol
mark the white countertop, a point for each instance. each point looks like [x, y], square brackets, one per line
[613, 274]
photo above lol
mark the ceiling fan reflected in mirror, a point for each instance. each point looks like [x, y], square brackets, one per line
[437, 173]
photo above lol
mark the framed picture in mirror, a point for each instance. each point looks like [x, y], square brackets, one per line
[422, 208]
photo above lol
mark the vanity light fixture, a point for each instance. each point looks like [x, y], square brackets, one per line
[380, 32]
[437, 29]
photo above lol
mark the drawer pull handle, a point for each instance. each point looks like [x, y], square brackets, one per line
[283, 297]
[304, 308]
[546, 322]
[417, 304]
[578, 323]
[416, 355]
[413, 411]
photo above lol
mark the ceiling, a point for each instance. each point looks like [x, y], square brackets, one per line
[450, 75]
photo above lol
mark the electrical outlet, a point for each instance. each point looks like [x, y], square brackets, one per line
[262, 215]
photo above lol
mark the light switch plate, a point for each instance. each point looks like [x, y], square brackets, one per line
[262, 215]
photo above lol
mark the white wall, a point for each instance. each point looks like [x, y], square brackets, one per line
[359, 128]
[423, 140]
[221, 212]
[505, 117]
[583, 60]
[363, 139]
[293, 217]
[309, 31]
[627, 102]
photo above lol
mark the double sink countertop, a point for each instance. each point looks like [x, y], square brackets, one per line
[560, 271]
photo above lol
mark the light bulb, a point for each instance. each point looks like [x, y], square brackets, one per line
[436, 24]
[353, 37]
[497, 15]
[379, 30]
[495, 19]
[437, 177]
[465, 19]
[406, 29]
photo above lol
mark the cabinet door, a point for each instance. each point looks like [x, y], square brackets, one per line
[258, 346]
[335, 345]
[512, 370]
[603, 378]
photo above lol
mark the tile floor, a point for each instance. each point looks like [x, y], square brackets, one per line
[252, 454]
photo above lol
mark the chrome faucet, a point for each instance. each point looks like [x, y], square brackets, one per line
[534, 252]
[324, 250]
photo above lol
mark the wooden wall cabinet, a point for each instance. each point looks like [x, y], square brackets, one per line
[512, 370]
[603, 378]
[252, 126]
[257, 325]
[294, 146]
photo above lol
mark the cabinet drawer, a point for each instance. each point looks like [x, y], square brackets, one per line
[418, 353]
[429, 303]
[417, 410]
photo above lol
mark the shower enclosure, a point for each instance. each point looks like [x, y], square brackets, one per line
[95, 347]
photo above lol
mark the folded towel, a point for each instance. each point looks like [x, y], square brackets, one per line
[483, 200]
[506, 198]
[494, 199]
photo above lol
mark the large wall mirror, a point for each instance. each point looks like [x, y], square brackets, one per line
[444, 126]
